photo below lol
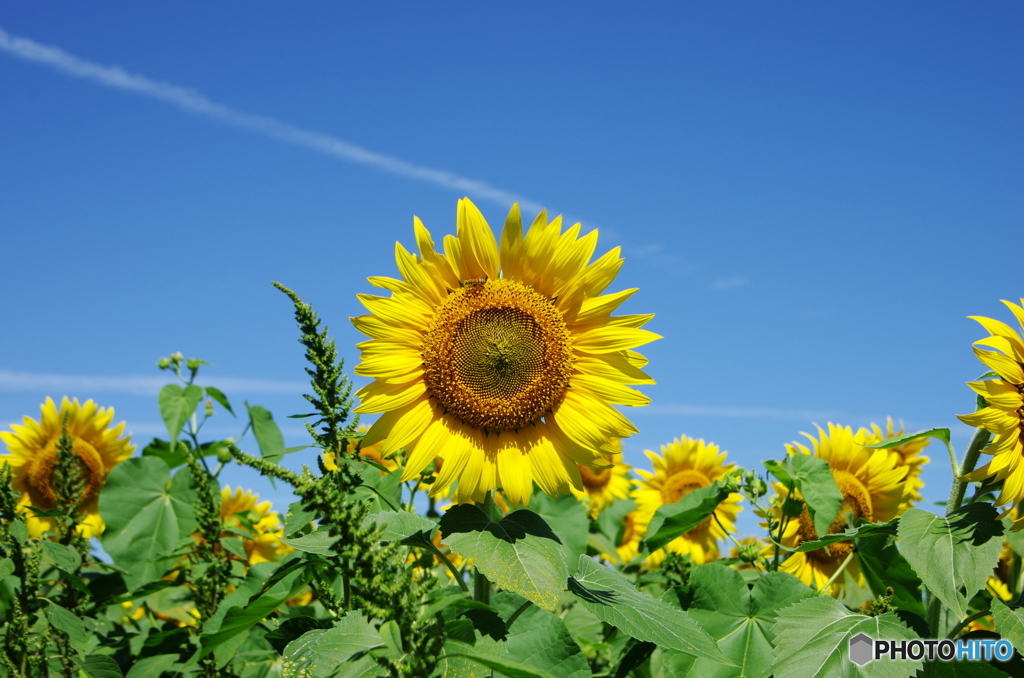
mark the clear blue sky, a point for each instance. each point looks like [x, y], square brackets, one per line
[811, 196]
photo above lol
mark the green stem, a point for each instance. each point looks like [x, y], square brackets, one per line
[956, 495]
[932, 614]
[838, 573]
[515, 615]
[451, 568]
[966, 622]
[481, 586]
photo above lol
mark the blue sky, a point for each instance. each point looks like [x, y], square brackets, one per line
[811, 197]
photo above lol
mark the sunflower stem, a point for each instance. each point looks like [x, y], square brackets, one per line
[956, 495]
[966, 622]
[515, 615]
[838, 573]
[481, 586]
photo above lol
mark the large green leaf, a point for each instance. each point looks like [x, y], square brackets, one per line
[238, 620]
[65, 558]
[146, 515]
[508, 667]
[540, 638]
[68, 622]
[265, 429]
[812, 477]
[614, 599]
[671, 521]
[152, 667]
[319, 542]
[739, 618]
[568, 519]
[812, 640]
[1009, 623]
[399, 524]
[100, 666]
[883, 566]
[954, 556]
[519, 553]
[177, 404]
[320, 653]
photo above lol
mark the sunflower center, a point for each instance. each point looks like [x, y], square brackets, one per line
[41, 473]
[497, 355]
[856, 502]
[681, 483]
[594, 479]
[628, 529]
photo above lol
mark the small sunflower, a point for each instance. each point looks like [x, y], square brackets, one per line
[33, 452]
[871, 482]
[908, 454]
[505, 361]
[265, 545]
[371, 452]
[602, 486]
[685, 465]
[634, 527]
[1003, 415]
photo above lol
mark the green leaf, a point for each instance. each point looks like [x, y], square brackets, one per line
[177, 405]
[937, 433]
[863, 528]
[568, 519]
[100, 666]
[1009, 623]
[813, 479]
[614, 599]
[391, 634]
[293, 628]
[6, 568]
[398, 524]
[64, 557]
[519, 553]
[297, 518]
[319, 653]
[68, 622]
[152, 667]
[268, 435]
[739, 618]
[318, 542]
[238, 620]
[952, 554]
[507, 667]
[967, 669]
[385, 490]
[671, 521]
[146, 515]
[883, 566]
[812, 640]
[219, 396]
[541, 639]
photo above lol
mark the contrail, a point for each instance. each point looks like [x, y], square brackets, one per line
[193, 102]
[71, 384]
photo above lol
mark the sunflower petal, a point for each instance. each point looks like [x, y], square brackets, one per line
[511, 249]
[479, 249]
[608, 339]
[1002, 365]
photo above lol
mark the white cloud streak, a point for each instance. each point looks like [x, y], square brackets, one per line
[193, 102]
[83, 386]
[741, 412]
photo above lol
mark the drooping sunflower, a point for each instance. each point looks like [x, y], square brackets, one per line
[908, 454]
[504, 361]
[371, 452]
[871, 482]
[602, 486]
[685, 465]
[242, 509]
[32, 449]
[1004, 414]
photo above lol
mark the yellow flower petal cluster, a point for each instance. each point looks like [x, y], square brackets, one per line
[371, 452]
[872, 485]
[265, 545]
[503, 360]
[602, 486]
[908, 455]
[684, 465]
[1003, 415]
[32, 453]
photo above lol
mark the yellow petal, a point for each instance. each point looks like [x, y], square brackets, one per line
[598, 275]
[992, 419]
[405, 430]
[382, 397]
[479, 249]
[1002, 365]
[437, 262]
[1018, 311]
[395, 312]
[511, 248]
[610, 391]
[514, 469]
[608, 339]
[998, 393]
[374, 327]
[431, 444]
[596, 308]
[388, 365]
[421, 282]
[612, 366]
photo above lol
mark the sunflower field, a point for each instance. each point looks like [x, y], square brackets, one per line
[486, 523]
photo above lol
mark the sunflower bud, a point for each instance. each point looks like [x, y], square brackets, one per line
[163, 363]
[748, 553]
[753, 485]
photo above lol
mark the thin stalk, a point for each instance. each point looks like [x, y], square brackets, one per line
[346, 587]
[838, 573]
[956, 495]
[451, 568]
[515, 615]
[966, 622]
[733, 539]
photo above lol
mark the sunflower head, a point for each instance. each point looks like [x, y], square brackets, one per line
[1003, 413]
[684, 465]
[908, 454]
[32, 453]
[504, 360]
[242, 509]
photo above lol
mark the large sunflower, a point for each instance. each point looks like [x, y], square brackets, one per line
[871, 482]
[503, 361]
[602, 486]
[33, 452]
[908, 454]
[683, 466]
[1003, 415]
[242, 509]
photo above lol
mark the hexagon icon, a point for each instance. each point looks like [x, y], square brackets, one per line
[861, 649]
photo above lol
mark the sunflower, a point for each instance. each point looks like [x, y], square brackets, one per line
[602, 486]
[503, 361]
[908, 454]
[998, 584]
[370, 452]
[265, 545]
[872, 485]
[33, 452]
[634, 527]
[1003, 414]
[683, 466]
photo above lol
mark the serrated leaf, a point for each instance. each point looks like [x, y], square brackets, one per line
[317, 541]
[672, 521]
[320, 653]
[177, 405]
[221, 399]
[614, 599]
[812, 640]
[507, 667]
[883, 566]
[68, 622]
[64, 557]
[862, 529]
[399, 524]
[568, 520]
[100, 666]
[152, 667]
[238, 620]
[541, 639]
[1009, 623]
[739, 618]
[265, 429]
[297, 518]
[952, 554]
[519, 553]
[812, 477]
[293, 628]
[146, 514]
